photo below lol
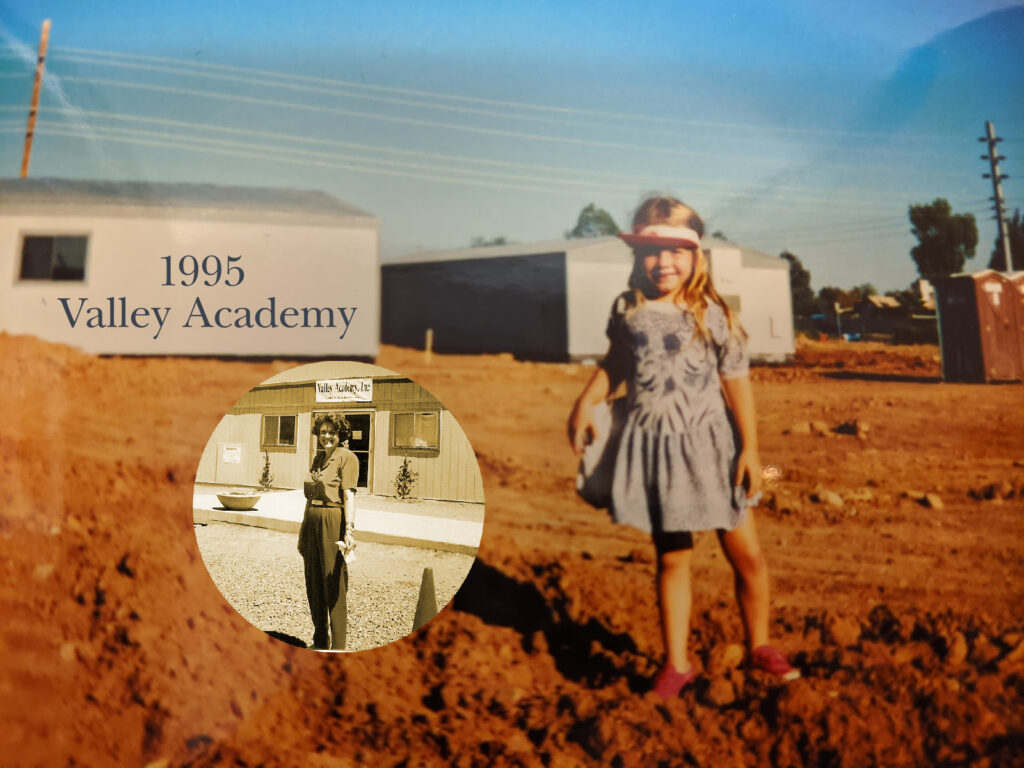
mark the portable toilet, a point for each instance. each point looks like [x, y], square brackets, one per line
[1016, 280]
[978, 329]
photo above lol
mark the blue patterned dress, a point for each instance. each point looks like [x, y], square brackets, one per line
[676, 463]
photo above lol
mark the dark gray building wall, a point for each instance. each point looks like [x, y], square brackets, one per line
[498, 304]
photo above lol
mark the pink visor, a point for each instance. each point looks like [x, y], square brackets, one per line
[663, 234]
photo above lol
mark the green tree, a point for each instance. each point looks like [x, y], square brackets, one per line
[799, 286]
[945, 239]
[480, 242]
[865, 290]
[1015, 225]
[719, 234]
[593, 222]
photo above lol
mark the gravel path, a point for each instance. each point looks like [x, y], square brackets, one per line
[259, 572]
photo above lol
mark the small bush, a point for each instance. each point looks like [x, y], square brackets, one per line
[404, 480]
[266, 479]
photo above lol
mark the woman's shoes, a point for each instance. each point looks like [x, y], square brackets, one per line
[766, 659]
[670, 681]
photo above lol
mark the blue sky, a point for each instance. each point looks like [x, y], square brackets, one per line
[802, 125]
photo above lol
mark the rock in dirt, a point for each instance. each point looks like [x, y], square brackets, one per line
[957, 651]
[821, 429]
[932, 501]
[43, 571]
[985, 651]
[723, 657]
[721, 692]
[919, 652]
[854, 427]
[829, 498]
[799, 428]
[839, 630]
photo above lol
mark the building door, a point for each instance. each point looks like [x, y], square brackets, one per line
[361, 442]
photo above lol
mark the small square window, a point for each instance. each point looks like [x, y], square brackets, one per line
[416, 430]
[46, 257]
[278, 432]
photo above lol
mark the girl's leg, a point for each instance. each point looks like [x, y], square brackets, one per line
[675, 595]
[743, 550]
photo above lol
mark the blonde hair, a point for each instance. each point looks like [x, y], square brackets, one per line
[698, 289]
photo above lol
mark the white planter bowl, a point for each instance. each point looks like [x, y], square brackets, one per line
[237, 501]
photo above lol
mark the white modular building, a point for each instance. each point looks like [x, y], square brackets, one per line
[195, 269]
[550, 300]
[756, 285]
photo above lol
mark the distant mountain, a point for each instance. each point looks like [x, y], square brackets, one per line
[956, 81]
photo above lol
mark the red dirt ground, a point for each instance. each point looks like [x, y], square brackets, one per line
[118, 650]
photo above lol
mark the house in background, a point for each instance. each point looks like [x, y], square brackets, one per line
[117, 252]
[877, 314]
[550, 300]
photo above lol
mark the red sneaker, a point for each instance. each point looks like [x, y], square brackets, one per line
[767, 659]
[670, 681]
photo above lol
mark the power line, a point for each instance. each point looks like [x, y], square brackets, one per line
[633, 179]
[332, 88]
[837, 238]
[857, 225]
[641, 181]
[575, 141]
[494, 102]
[360, 163]
[77, 133]
[448, 158]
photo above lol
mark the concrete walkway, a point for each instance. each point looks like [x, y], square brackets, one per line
[442, 525]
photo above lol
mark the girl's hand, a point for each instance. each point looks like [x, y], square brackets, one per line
[748, 472]
[581, 427]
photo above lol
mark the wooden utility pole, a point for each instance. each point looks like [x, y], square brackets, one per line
[44, 39]
[997, 177]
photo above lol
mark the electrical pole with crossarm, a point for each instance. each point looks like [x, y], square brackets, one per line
[997, 177]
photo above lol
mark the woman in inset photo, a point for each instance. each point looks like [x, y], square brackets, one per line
[329, 518]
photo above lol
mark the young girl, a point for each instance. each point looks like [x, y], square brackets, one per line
[688, 457]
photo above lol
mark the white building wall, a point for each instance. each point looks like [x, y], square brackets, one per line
[765, 305]
[591, 288]
[243, 430]
[298, 265]
[726, 270]
[767, 313]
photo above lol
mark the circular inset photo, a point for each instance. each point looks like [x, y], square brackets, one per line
[338, 506]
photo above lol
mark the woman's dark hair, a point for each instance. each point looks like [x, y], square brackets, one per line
[339, 422]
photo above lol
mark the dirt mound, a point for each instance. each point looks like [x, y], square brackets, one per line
[903, 615]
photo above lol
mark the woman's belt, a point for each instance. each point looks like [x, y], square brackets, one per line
[319, 503]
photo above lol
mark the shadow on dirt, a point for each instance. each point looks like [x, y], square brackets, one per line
[290, 639]
[588, 653]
